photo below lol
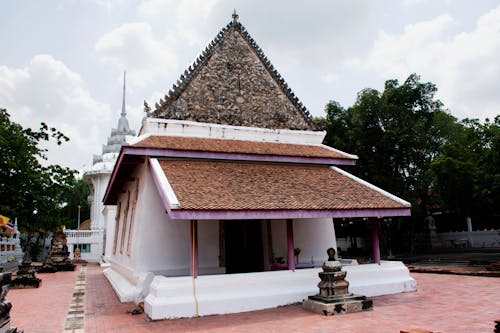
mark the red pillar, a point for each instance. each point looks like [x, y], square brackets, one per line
[289, 238]
[375, 241]
[194, 248]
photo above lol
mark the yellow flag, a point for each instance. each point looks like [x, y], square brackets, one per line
[4, 220]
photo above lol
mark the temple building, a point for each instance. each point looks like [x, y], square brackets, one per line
[94, 239]
[227, 199]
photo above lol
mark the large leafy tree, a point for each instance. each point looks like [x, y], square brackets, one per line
[29, 190]
[410, 145]
[467, 173]
[396, 134]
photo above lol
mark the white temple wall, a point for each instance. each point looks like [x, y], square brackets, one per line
[160, 245]
[208, 248]
[109, 213]
[312, 236]
[217, 131]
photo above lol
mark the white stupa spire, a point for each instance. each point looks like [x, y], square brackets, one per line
[124, 113]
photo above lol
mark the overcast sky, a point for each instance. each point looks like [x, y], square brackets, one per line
[62, 61]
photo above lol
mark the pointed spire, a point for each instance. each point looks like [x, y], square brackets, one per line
[235, 16]
[123, 114]
[123, 122]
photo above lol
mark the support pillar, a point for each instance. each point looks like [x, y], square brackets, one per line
[289, 238]
[375, 241]
[194, 248]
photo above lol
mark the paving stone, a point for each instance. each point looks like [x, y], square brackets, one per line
[443, 303]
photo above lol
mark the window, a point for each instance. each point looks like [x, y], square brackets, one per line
[84, 248]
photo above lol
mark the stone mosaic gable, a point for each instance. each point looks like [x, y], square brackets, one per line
[233, 83]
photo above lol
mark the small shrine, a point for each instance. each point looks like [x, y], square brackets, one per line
[334, 297]
[5, 306]
[25, 276]
[58, 257]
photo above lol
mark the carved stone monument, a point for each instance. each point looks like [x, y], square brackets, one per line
[5, 305]
[58, 257]
[25, 276]
[334, 296]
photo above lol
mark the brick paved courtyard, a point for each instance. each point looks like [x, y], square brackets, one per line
[443, 303]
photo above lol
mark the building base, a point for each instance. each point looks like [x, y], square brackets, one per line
[347, 304]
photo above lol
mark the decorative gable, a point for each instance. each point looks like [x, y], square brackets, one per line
[233, 83]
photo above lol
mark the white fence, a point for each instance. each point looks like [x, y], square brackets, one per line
[475, 239]
[91, 243]
[11, 253]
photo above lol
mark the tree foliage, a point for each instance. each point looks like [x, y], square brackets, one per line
[409, 145]
[467, 172]
[396, 134]
[30, 191]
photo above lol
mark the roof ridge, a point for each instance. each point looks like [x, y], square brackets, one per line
[190, 73]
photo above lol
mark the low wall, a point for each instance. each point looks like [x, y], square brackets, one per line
[175, 297]
[474, 239]
[94, 238]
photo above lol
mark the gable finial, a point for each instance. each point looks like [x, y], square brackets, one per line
[235, 16]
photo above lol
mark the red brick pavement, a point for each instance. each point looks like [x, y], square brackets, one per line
[44, 309]
[443, 303]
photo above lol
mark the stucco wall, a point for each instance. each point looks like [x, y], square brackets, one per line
[159, 244]
[312, 236]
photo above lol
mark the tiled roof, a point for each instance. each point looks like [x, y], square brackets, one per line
[225, 185]
[240, 147]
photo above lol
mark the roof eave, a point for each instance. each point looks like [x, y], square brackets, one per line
[161, 152]
[186, 214]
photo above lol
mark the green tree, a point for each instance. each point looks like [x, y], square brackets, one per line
[77, 195]
[30, 191]
[396, 133]
[467, 173]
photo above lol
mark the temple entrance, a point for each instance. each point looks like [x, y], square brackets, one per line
[243, 246]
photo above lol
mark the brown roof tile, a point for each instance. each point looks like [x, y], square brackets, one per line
[239, 147]
[223, 185]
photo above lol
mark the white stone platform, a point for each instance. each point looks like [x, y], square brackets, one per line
[176, 297]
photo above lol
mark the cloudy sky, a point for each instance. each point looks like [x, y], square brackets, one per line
[62, 61]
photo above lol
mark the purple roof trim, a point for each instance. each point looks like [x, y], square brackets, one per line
[113, 176]
[159, 187]
[282, 214]
[233, 156]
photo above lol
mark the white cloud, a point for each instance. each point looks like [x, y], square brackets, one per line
[132, 47]
[330, 78]
[418, 46]
[109, 5]
[189, 18]
[46, 90]
[464, 66]
[192, 16]
[155, 9]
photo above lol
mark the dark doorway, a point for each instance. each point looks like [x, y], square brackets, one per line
[243, 246]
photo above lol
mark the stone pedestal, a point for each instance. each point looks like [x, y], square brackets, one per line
[5, 306]
[58, 257]
[334, 297]
[25, 276]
